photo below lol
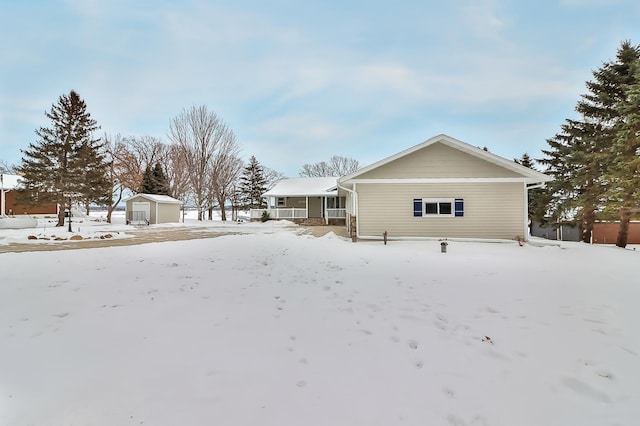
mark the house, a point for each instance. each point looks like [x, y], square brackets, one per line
[441, 188]
[308, 200]
[9, 200]
[152, 209]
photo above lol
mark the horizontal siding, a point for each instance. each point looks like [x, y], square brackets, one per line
[491, 210]
[439, 161]
[168, 213]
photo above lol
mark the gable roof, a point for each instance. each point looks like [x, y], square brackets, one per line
[162, 199]
[304, 187]
[531, 175]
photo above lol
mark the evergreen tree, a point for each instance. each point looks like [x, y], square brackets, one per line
[148, 185]
[623, 175]
[66, 159]
[580, 156]
[154, 181]
[252, 185]
[94, 184]
[161, 180]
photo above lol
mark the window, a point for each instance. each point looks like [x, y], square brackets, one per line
[281, 202]
[438, 207]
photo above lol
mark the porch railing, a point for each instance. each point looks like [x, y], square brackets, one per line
[292, 213]
[283, 213]
[336, 213]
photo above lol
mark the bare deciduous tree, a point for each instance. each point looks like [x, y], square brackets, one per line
[7, 168]
[225, 173]
[118, 157]
[272, 177]
[337, 166]
[177, 172]
[146, 151]
[199, 133]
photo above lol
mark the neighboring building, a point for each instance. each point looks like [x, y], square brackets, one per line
[9, 205]
[151, 209]
[441, 188]
[607, 232]
[304, 200]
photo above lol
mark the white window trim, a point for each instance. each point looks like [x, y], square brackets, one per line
[452, 201]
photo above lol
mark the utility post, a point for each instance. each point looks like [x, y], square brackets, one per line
[70, 213]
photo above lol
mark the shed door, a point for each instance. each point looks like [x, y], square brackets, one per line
[141, 211]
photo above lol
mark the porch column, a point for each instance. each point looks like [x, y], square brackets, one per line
[307, 208]
[324, 212]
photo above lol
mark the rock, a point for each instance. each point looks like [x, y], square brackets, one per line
[59, 239]
[108, 236]
[32, 237]
[76, 237]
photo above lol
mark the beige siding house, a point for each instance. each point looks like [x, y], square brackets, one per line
[441, 188]
[152, 209]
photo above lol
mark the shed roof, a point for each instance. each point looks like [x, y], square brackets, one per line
[304, 187]
[161, 199]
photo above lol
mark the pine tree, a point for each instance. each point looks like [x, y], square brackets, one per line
[148, 185]
[65, 160]
[582, 153]
[252, 185]
[161, 180]
[623, 174]
[154, 181]
[94, 184]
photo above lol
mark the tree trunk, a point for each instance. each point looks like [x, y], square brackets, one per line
[112, 207]
[586, 226]
[61, 217]
[221, 203]
[623, 230]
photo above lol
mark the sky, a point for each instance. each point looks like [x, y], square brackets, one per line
[301, 81]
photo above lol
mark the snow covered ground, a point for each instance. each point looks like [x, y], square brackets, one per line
[276, 328]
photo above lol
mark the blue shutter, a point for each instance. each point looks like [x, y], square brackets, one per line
[459, 207]
[417, 207]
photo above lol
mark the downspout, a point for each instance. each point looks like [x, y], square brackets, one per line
[2, 199]
[324, 211]
[527, 187]
[525, 235]
[354, 201]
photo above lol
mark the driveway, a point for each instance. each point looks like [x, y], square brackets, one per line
[151, 235]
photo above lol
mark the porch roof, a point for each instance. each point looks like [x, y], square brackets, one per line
[305, 187]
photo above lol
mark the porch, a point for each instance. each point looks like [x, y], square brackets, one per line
[308, 201]
[328, 215]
